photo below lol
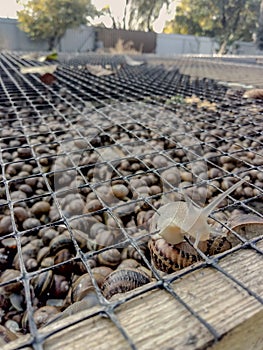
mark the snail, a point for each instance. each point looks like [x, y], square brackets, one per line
[169, 258]
[248, 226]
[123, 280]
[175, 220]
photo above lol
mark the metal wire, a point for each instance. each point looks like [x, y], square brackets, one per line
[82, 107]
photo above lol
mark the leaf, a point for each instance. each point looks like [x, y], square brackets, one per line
[192, 100]
[53, 56]
[30, 56]
[39, 69]
[34, 56]
[48, 78]
[254, 93]
[98, 70]
[132, 62]
[201, 103]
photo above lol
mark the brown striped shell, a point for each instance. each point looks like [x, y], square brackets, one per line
[123, 280]
[172, 257]
[248, 226]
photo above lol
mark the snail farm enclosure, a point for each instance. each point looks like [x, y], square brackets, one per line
[108, 238]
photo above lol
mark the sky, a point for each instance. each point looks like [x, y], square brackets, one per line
[8, 8]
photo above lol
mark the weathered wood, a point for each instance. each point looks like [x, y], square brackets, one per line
[156, 319]
[247, 336]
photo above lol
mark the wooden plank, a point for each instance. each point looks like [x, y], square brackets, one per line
[157, 319]
[247, 336]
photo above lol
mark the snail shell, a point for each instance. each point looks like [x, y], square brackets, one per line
[9, 275]
[60, 242]
[17, 301]
[248, 226]
[123, 280]
[6, 335]
[60, 286]
[169, 257]
[44, 314]
[82, 285]
[42, 283]
[47, 235]
[129, 263]
[61, 256]
[89, 300]
[111, 257]
[130, 253]
[42, 254]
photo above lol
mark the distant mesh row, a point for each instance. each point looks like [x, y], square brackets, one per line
[65, 149]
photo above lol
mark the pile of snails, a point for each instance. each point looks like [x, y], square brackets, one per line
[70, 189]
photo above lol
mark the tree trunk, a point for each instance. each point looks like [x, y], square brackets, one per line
[259, 40]
[125, 15]
[51, 43]
[223, 47]
[149, 22]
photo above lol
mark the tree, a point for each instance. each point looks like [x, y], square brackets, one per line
[260, 28]
[144, 12]
[137, 14]
[225, 20]
[49, 19]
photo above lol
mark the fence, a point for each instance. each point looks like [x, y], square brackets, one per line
[12, 38]
[168, 44]
[142, 41]
[85, 39]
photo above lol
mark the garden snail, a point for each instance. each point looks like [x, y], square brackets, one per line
[248, 226]
[123, 280]
[175, 220]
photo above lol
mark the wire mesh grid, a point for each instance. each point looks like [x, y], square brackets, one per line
[86, 163]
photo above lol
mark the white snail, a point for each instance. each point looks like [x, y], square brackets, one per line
[177, 219]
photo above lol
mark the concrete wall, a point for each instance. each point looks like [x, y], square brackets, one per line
[244, 48]
[81, 39]
[173, 44]
[12, 38]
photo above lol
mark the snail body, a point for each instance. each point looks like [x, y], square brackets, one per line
[175, 220]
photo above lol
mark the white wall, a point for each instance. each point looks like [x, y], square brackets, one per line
[244, 48]
[172, 44]
[12, 38]
[81, 39]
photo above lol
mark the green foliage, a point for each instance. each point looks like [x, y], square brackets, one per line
[49, 19]
[225, 20]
